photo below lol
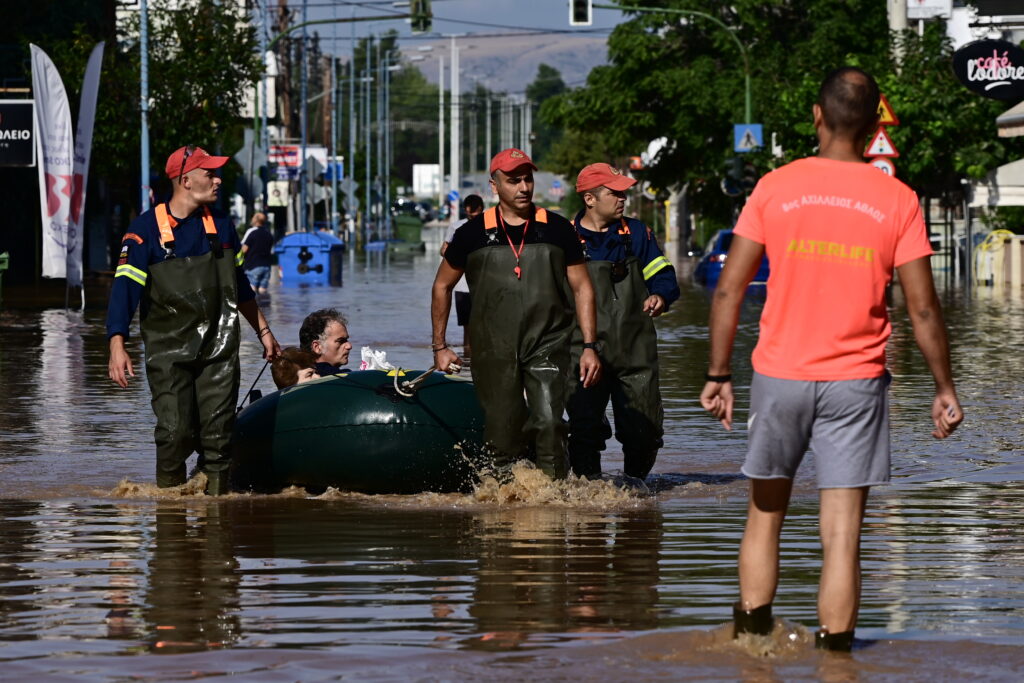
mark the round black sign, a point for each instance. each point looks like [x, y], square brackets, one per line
[993, 68]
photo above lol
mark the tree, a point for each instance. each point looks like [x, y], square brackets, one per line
[547, 84]
[682, 78]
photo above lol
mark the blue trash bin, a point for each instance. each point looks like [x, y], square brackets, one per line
[310, 258]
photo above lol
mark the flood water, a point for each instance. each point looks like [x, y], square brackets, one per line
[102, 579]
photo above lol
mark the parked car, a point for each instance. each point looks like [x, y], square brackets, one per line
[710, 266]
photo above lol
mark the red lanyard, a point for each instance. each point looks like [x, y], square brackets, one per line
[522, 243]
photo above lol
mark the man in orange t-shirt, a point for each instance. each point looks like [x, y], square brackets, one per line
[834, 229]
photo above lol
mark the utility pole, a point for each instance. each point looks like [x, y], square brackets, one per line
[333, 161]
[350, 162]
[303, 113]
[379, 185]
[144, 101]
[387, 146]
[487, 133]
[528, 146]
[367, 77]
[455, 141]
[440, 135]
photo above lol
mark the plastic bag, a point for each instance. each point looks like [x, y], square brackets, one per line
[374, 360]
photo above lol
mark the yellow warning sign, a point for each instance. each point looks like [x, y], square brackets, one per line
[886, 116]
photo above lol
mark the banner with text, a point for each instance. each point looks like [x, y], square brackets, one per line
[83, 150]
[54, 145]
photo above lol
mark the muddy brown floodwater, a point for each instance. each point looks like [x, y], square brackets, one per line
[103, 578]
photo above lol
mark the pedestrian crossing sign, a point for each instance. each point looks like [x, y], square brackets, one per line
[747, 137]
[886, 116]
[881, 145]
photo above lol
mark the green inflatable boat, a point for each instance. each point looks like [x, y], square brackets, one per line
[368, 431]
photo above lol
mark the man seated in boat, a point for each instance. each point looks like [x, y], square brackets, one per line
[293, 366]
[324, 334]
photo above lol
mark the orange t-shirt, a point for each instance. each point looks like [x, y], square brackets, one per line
[833, 231]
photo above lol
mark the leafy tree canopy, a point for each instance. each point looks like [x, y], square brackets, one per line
[682, 78]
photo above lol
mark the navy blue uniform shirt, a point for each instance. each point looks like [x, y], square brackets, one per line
[659, 275]
[140, 248]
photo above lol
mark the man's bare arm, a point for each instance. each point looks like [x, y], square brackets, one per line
[440, 308]
[740, 267]
[930, 334]
[586, 316]
[250, 310]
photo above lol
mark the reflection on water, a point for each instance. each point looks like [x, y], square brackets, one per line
[496, 583]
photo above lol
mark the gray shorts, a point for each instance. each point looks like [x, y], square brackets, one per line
[845, 423]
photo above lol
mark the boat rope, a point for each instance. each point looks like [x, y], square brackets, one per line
[248, 394]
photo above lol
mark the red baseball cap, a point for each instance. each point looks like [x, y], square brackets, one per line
[189, 158]
[603, 175]
[508, 160]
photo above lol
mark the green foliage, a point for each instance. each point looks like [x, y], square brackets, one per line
[202, 61]
[202, 58]
[946, 132]
[682, 78]
[1004, 218]
[547, 84]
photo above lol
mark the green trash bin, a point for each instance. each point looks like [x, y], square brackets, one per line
[3, 266]
[408, 229]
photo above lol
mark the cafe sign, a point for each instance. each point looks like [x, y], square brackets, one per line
[993, 68]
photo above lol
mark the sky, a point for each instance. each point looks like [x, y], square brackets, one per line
[480, 18]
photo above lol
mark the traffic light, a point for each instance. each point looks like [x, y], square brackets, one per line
[750, 177]
[421, 15]
[732, 182]
[581, 12]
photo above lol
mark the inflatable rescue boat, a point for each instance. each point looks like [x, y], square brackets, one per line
[368, 431]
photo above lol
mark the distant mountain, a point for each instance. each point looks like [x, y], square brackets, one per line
[509, 63]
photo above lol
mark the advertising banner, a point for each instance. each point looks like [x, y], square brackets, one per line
[83, 149]
[17, 142]
[54, 145]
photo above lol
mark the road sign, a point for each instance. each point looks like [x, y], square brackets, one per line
[884, 165]
[881, 145]
[747, 136]
[886, 116]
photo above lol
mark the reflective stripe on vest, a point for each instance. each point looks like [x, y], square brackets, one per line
[165, 221]
[132, 273]
[656, 265]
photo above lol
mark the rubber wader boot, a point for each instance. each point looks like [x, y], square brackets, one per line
[189, 323]
[628, 348]
[758, 621]
[217, 483]
[836, 642]
[519, 328]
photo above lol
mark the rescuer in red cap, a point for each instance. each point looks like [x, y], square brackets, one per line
[526, 274]
[183, 262]
[634, 283]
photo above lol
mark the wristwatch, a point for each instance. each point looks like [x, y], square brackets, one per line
[590, 345]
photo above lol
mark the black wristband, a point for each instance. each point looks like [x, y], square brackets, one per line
[717, 378]
[435, 349]
[590, 345]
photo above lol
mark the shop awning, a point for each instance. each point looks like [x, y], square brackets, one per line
[1002, 187]
[1011, 122]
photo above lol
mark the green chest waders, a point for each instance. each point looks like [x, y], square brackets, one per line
[189, 323]
[520, 330]
[628, 348]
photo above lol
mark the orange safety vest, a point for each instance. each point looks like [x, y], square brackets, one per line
[491, 217]
[165, 221]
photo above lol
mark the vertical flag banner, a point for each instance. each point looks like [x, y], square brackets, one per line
[54, 144]
[80, 177]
